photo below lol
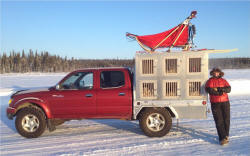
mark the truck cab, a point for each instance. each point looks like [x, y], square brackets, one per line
[93, 93]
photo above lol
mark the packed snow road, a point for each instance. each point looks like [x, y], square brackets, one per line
[116, 137]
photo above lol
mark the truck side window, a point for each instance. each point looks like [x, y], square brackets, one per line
[81, 80]
[112, 79]
[86, 82]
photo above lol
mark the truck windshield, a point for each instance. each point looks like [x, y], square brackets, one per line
[82, 80]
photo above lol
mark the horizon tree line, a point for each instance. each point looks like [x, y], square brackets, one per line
[23, 62]
[34, 61]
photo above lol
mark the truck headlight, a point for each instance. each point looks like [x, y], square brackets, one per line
[10, 101]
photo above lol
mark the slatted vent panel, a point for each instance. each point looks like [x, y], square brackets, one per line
[194, 88]
[148, 89]
[171, 65]
[171, 89]
[194, 65]
[148, 66]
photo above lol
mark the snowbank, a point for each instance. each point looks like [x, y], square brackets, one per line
[239, 87]
[6, 91]
[12, 82]
[238, 79]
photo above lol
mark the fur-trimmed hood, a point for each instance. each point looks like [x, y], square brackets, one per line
[216, 70]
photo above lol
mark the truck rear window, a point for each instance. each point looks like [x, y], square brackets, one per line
[112, 79]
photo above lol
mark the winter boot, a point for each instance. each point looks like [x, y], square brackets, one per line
[224, 142]
[227, 139]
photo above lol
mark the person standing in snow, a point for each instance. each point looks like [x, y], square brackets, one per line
[217, 87]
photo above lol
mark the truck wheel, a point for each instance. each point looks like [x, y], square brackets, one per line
[155, 122]
[30, 122]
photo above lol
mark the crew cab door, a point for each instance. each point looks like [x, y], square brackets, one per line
[114, 97]
[75, 97]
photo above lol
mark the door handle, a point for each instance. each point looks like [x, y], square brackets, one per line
[121, 94]
[59, 96]
[89, 95]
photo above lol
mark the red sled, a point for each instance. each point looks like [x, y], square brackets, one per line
[180, 36]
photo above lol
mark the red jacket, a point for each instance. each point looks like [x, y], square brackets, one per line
[219, 95]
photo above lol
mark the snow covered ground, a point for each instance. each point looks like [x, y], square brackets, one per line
[116, 137]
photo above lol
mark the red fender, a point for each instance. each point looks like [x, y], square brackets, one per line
[34, 100]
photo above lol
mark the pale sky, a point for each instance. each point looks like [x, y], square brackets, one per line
[96, 29]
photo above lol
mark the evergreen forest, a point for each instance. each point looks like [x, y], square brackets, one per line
[33, 61]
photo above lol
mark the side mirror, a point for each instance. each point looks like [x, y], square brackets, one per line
[57, 87]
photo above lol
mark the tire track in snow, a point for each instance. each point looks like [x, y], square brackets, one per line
[97, 139]
[98, 146]
[87, 141]
[101, 136]
[155, 146]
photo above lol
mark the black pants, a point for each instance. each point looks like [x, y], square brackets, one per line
[221, 113]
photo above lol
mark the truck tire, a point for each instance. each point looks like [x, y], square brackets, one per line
[30, 122]
[155, 122]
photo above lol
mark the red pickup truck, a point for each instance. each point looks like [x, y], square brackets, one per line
[89, 93]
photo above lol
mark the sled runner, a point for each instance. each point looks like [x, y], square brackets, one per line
[216, 50]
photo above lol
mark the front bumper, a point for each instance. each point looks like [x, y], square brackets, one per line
[10, 112]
